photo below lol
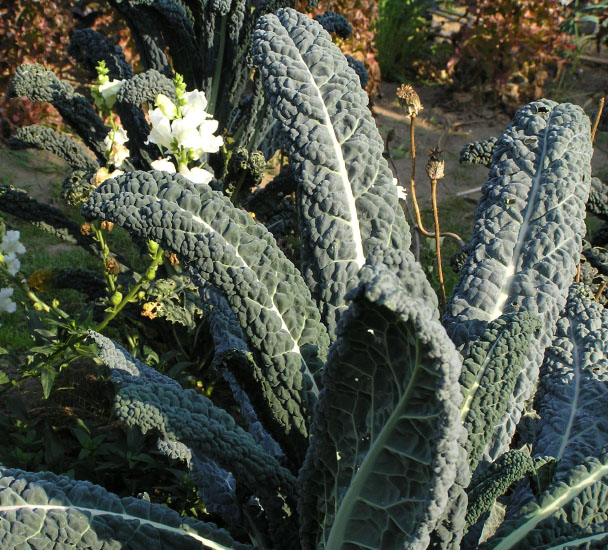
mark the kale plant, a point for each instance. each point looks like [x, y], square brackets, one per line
[365, 421]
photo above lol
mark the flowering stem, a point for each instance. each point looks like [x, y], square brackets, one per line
[157, 260]
[38, 303]
[105, 253]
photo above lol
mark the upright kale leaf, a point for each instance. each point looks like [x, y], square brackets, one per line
[527, 238]
[385, 447]
[347, 201]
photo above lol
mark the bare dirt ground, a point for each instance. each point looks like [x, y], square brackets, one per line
[451, 120]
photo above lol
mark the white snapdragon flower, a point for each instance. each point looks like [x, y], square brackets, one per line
[196, 175]
[10, 243]
[166, 106]
[164, 165]
[207, 142]
[6, 304]
[161, 129]
[194, 109]
[185, 133]
[193, 130]
[13, 264]
[115, 146]
[109, 90]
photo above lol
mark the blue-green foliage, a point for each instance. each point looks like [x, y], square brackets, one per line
[370, 442]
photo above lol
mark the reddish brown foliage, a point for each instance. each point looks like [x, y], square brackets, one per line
[507, 44]
[361, 14]
[37, 31]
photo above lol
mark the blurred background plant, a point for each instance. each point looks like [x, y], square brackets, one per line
[506, 48]
[406, 39]
[38, 31]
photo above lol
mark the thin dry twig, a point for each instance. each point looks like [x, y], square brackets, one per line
[597, 119]
[437, 241]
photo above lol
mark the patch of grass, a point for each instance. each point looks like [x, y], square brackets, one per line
[14, 332]
[38, 161]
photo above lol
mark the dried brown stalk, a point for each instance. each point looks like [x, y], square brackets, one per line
[597, 119]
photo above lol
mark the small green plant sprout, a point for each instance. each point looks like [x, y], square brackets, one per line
[104, 90]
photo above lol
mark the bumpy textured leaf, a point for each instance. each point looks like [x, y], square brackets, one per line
[191, 424]
[41, 84]
[527, 237]
[146, 31]
[571, 513]
[488, 377]
[494, 482]
[347, 202]
[598, 199]
[89, 47]
[43, 510]
[226, 247]
[572, 397]
[62, 145]
[232, 353]
[385, 445]
[335, 23]
[478, 152]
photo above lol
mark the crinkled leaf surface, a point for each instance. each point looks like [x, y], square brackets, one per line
[347, 200]
[241, 258]
[572, 397]
[488, 377]
[571, 513]
[43, 510]
[527, 238]
[385, 445]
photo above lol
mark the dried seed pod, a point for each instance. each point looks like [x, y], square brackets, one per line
[112, 266]
[107, 226]
[409, 100]
[172, 257]
[86, 228]
[435, 167]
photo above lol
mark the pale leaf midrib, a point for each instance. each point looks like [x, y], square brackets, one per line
[574, 402]
[541, 513]
[338, 528]
[127, 517]
[342, 172]
[509, 271]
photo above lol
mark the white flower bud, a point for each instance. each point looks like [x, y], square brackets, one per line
[109, 90]
[6, 304]
[166, 106]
